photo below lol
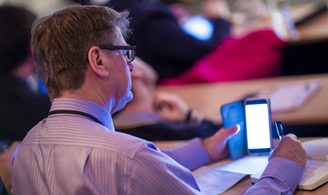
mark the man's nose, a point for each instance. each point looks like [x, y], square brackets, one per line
[131, 66]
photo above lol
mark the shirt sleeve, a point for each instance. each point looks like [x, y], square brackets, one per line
[153, 172]
[190, 154]
[281, 176]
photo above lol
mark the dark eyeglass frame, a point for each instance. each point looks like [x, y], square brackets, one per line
[122, 47]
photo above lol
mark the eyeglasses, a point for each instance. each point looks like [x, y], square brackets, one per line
[128, 51]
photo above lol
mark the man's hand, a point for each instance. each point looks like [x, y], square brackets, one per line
[289, 147]
[180, 12]
[170, 107]
[216, 145]
[6, 165]
[213, 9]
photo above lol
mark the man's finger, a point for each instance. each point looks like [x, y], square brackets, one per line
[292, 135]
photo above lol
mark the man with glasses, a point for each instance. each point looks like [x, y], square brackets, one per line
[84, 62]
[128, 51]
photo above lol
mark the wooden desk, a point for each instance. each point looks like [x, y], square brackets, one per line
[242, 186]
[208, 98]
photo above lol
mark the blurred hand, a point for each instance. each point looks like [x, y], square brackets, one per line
[170, 107]
[180, 12]
[289, 147]
[6, 165]
[213, 9]
[216, 145]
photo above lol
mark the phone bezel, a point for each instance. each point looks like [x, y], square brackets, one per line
[253, 101]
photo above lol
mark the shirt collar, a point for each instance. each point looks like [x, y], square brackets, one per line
[84, 106]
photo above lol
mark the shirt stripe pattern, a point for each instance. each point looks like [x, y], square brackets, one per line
[71, 154]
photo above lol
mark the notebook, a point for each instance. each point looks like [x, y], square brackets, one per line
[316, 170]
[290, 96]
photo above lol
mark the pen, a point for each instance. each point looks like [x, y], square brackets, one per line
[280, 129]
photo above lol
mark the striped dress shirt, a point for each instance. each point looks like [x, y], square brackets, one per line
[72, 154]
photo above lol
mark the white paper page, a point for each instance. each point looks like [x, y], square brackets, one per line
[316, 149]
[213, 181]
[315, 174]
[246, 165]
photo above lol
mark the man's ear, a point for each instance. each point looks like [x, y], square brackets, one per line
[96, 61]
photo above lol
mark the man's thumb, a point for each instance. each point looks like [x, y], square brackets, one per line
[232, 131]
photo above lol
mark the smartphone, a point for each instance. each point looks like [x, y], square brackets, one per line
[232, 114]
[258, 126]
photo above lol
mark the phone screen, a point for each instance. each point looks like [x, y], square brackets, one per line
[258, 126]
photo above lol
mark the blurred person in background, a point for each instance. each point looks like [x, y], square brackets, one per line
[38, 7]
[22, 103]
[162, 42]
[180, 58]
[7, 157]
[159, 116]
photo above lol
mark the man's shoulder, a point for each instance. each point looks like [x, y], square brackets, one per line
[122, 140]
[98, 138]
[117, 142]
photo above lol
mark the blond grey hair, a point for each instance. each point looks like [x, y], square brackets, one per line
[61, 43]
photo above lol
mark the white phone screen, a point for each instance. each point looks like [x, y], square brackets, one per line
[257, 125]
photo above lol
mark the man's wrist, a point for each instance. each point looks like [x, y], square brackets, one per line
[194, 116]
[285, 171]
